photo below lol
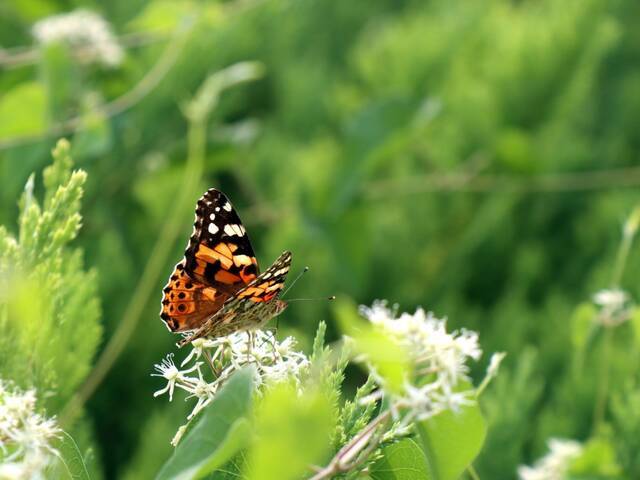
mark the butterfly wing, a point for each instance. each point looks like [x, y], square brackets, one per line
[269, 284]
[250, 307]
[187, 303]
[219, 253]
[218, 261]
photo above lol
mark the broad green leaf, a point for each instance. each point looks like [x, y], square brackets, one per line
[292, 432]
[217, 436]
[404, 460]
[23, 110]
[384, 354]
[72, 463]
[237, 438]
[598, 458]
[451, 441]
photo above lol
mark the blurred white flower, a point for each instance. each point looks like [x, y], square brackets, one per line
[274, 361]
[614, 306]
[555, 464]
[25, 436]
[438, 362]
[494, 364]
[86, 32]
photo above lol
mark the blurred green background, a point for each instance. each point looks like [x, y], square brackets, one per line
[475, 158]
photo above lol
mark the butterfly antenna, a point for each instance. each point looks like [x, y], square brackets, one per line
[332, 297]
[304, 270]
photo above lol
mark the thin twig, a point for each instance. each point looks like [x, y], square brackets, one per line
[17, 57]
[355, 451]
[483, 183]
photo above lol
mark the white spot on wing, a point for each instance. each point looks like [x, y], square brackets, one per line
[213, 229]
[227, 207]
[275, 286]
[241, 260]
[232, 229]
[217, 209]
[212, 217]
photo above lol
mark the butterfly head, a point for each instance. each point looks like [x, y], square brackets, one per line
[279, 306]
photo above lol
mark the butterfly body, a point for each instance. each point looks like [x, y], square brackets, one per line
[216, 289]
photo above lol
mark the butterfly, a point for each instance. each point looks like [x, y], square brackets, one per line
[216, 289]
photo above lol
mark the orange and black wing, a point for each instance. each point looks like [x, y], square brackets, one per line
[219, 253]
[269, 284]
[187, 303]
[218, 262]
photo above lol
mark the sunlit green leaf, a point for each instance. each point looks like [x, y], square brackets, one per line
[292, 432]
[217, 435]
[404, 460]
[597, 460]
[387, 357]
[23, 110]
[451, 441]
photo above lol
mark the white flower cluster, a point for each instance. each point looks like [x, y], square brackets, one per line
[274, 361]
[86, 32]
[25, 436]
[555, 464]
[438, 362]
[615, 306]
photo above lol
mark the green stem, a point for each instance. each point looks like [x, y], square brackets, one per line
[621, 259]
[472, 473]
[150, 276]
[600, 406]
[603, 380]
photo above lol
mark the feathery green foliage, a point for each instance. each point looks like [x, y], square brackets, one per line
[49, 309]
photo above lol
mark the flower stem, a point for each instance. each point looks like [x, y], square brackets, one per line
[472, 473]
[603, 380]
[355, 451]
[621, 258]
[628, 233]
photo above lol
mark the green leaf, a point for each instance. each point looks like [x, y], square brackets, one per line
[598, 458]
[236, 439]
[451, 441]
[23, 110]
[404, 460]
[292, 432]
[389, 360]
[73, 465]
[219, 434]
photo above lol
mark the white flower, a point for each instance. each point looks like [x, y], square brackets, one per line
[274, 361]
[555, 464]
[170, 372]
[438, 362]
[25, 436]
[614, 306]
[494, 364]
[87, 32]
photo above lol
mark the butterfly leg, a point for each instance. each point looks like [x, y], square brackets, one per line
[250, 344]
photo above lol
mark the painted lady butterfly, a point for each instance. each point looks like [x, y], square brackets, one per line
[216, 289]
